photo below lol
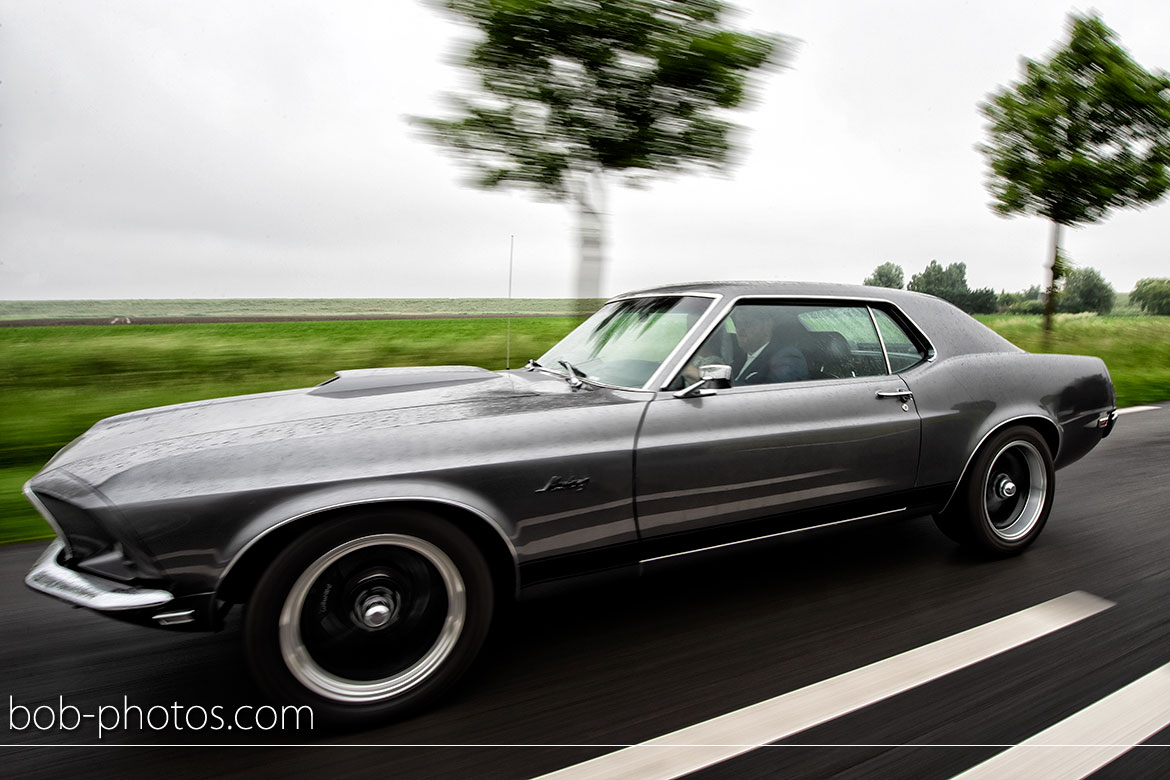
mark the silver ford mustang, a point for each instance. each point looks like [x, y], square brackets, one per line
[371, 523]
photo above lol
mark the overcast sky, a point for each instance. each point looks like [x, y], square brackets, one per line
[239, 148]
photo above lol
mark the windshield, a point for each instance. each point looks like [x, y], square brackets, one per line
[625, 342]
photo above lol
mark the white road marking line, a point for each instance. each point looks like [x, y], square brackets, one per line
[1083, 743]
[704, 744]
[1132, 409]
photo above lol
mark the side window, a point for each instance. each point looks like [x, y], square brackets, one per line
[842, 342]
[770, 343]
[769, 339]
[902, 350]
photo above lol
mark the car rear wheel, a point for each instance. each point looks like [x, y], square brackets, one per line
[1004, 501]
[369, 617]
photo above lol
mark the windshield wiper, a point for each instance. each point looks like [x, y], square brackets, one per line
[573, 376]
[532, 365]
[574, 381]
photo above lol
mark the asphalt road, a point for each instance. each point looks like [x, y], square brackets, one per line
[570, 679]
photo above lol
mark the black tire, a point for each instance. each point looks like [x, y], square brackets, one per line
[1004, 500]
[369, 617]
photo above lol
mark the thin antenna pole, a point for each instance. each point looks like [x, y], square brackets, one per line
[508, 337]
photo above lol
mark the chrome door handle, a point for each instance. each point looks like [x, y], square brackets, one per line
[903, 394]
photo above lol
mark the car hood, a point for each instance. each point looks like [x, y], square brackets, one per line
[354, 400]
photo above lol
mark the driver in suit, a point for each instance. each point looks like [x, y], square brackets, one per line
[769, 344]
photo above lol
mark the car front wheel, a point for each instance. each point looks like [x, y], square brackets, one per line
[1004, 501]
[369, 617]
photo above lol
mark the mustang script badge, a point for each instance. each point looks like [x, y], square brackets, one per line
[565, 483]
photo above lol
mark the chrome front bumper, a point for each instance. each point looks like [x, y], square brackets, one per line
[1106, 423]
[84, 590]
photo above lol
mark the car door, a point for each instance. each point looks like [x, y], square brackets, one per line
[757, 459]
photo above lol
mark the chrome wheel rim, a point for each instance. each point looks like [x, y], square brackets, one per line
[1014, 490]
[372, 618]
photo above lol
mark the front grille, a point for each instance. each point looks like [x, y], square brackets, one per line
[83, 535]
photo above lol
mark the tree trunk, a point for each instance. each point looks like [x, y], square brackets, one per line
[1054, 274]
[589, 198]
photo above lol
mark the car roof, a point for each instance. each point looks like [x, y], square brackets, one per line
[763, 287]
[946, 327]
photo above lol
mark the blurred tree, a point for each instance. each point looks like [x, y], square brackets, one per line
[1086, 290]
[1027, 306]
[886, 275]
[950, 284]
[1153, 295]
[1008, 299]
[980, 301]
[1011, 300]
[1084, 132]
[572, 93]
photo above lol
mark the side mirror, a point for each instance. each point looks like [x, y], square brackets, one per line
[712, 377]
[716, 376]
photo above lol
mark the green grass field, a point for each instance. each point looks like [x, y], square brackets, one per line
[55, 382]
[1136, 349]
[290, 307]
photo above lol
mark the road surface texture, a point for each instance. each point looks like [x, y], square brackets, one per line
[766, 647]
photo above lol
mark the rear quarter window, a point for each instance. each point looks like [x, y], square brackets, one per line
[900, 347]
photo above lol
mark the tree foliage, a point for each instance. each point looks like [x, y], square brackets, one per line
[886, 275]
[571, 92]
[1007, 300]
[950, 284]
[980, 301]
[1084, 132]
[1086, 290]
[1153, 295]
[1026, 306]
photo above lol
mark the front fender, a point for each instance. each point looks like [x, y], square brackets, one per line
[323, 500]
